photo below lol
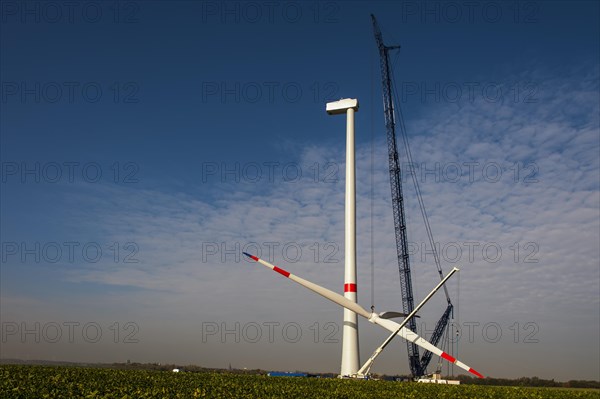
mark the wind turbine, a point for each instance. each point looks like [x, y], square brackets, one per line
[390, 325]
[350, 355]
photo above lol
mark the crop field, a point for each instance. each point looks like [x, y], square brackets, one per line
[79, 382]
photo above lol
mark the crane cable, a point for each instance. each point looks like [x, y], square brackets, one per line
[416, 183]
[457, 319]
[372, 190]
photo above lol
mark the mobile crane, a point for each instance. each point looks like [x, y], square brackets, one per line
[418, 366]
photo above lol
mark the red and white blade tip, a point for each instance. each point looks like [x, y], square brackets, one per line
[250, 256]
[453, 360]
[476, 373]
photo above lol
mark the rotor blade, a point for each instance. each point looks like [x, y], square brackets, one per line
[372, 317]
[332, 296]
[411, 336]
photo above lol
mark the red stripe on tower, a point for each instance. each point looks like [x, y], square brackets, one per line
[448, 357]
[281, 271]
[349, 287]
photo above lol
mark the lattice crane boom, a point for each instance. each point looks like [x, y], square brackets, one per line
[397, 198]
[418, 367]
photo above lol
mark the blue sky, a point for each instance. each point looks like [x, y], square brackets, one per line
[144, 146]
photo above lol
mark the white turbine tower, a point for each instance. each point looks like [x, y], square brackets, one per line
[350, 353]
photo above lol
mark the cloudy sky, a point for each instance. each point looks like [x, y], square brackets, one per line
[145, 145]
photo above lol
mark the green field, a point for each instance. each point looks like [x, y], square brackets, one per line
[80, 382]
